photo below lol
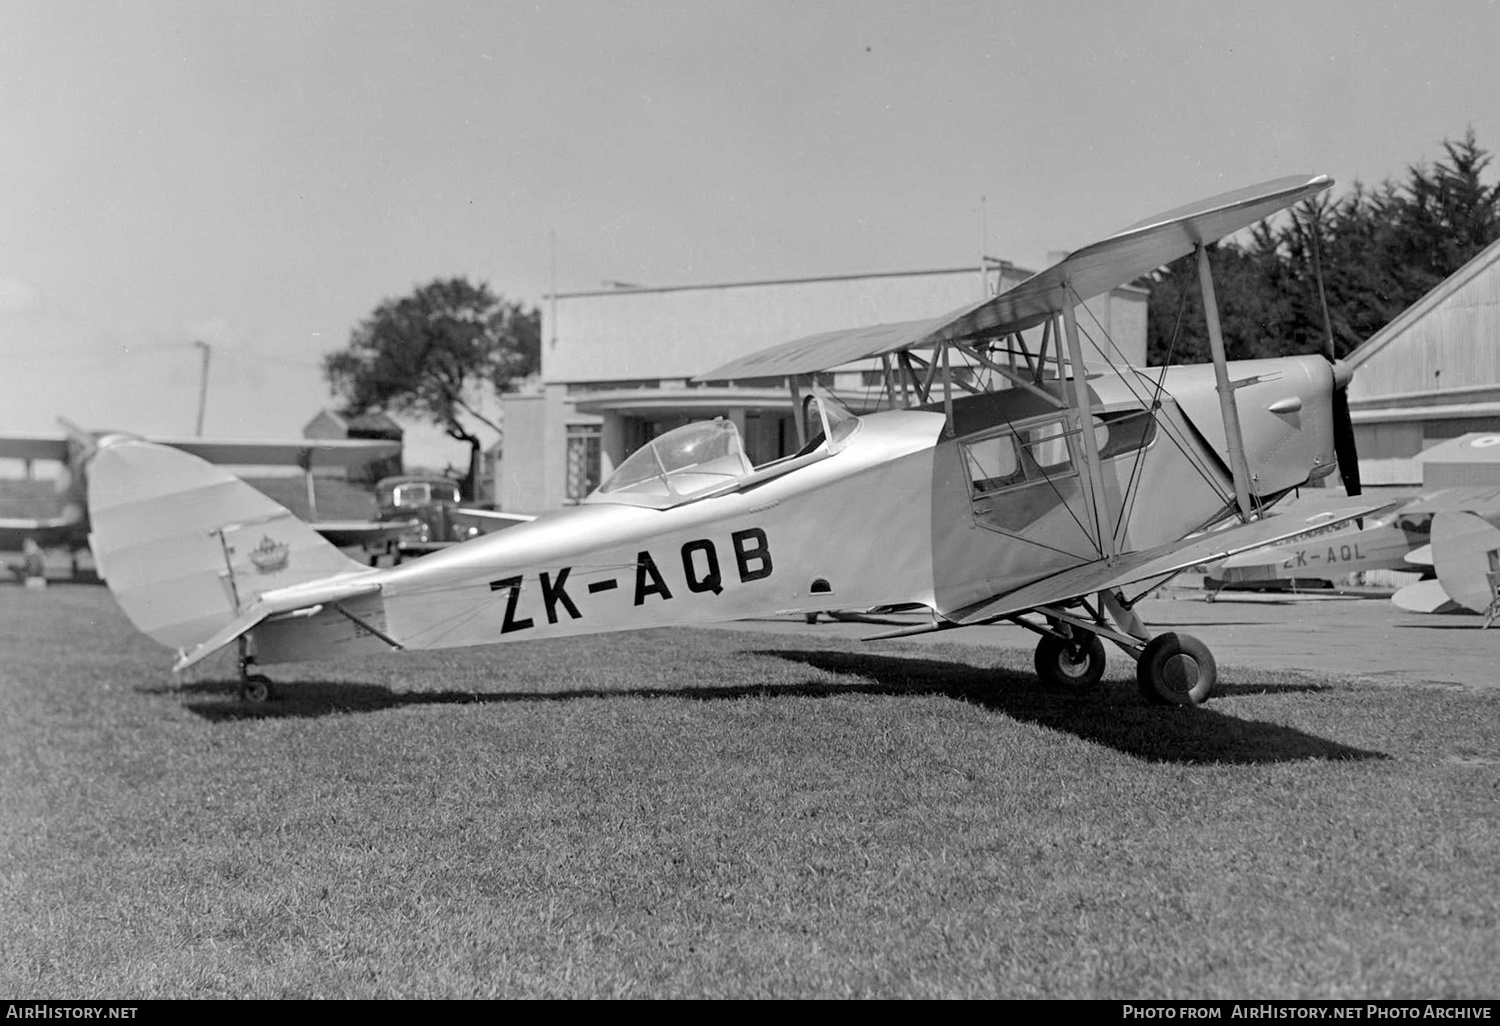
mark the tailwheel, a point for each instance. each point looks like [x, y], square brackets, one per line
[256, 687]
[1176, 669]
[1076, 664]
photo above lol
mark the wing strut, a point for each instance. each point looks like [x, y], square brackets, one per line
[1084, 402]
[1238, 467]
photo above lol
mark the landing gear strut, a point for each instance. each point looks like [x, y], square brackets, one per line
[254, 687]
[1171, 668]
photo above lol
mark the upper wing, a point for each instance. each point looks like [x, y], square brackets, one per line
[305, 452]
[33, 447]
[1460, 499]
[1096, 269]
[834, 348]
[45, 531]
[1165, 560]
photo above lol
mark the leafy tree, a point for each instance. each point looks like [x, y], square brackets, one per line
[1250, 315]
[1381, 250]
[436, 355]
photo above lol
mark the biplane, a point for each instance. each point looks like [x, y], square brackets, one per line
[1463, 560]
[1410, 537]
[1324, 557]
[1051, 491]
[68, 528]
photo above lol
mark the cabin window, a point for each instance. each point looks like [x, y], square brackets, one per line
[1036, 452]
[992, 464]
[1119, 433]
[1047, 445]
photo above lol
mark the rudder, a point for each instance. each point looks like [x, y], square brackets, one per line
[185, 546]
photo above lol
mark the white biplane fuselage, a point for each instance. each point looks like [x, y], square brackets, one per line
[1048, 491]
[889, 510]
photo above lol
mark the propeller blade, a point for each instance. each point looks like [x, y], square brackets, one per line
[1343, 423]
[1343, 441]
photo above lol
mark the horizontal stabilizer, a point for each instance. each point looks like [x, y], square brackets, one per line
[306, 599]
[1425, 597]
[1420, 556]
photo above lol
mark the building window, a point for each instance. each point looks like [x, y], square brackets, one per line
[583, 460]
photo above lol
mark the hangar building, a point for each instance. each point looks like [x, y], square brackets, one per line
[619, 365]
[1430, 375]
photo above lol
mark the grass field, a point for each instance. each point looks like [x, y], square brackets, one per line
[725, 814]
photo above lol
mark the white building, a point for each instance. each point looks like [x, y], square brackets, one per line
[618, 366]
[1431, 374]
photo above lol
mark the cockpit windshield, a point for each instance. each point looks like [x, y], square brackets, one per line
[828, 420]
[707, 457]
[677, 466]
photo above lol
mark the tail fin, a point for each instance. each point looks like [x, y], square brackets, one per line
[185, 546]
[1466, 555]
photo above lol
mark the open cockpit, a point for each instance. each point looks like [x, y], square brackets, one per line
[708, 458]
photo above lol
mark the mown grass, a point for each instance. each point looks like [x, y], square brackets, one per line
[727, 814]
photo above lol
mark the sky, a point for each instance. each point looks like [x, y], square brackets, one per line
[259, 175]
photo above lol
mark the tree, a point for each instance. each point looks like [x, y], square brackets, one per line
[436, 355]
[1250, 316]
[1381, 250]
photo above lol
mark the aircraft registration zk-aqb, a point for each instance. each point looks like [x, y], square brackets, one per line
[1045, 494]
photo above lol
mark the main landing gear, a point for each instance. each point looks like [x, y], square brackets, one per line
[1176, 669]
[254, 687]
[1171, 668]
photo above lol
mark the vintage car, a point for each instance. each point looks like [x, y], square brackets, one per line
[438, 516]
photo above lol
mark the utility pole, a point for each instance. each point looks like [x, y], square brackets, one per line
[202, 384]
[984, 248]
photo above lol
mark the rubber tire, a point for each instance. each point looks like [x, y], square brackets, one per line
[257, 688]
[1055, 663]
[1176, 669]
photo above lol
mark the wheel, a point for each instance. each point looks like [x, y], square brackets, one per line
[1176, 669]
[810, 617]
[256, 688]
[1078, 665]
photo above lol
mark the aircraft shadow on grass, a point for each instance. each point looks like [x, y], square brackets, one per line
[1115, 716]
